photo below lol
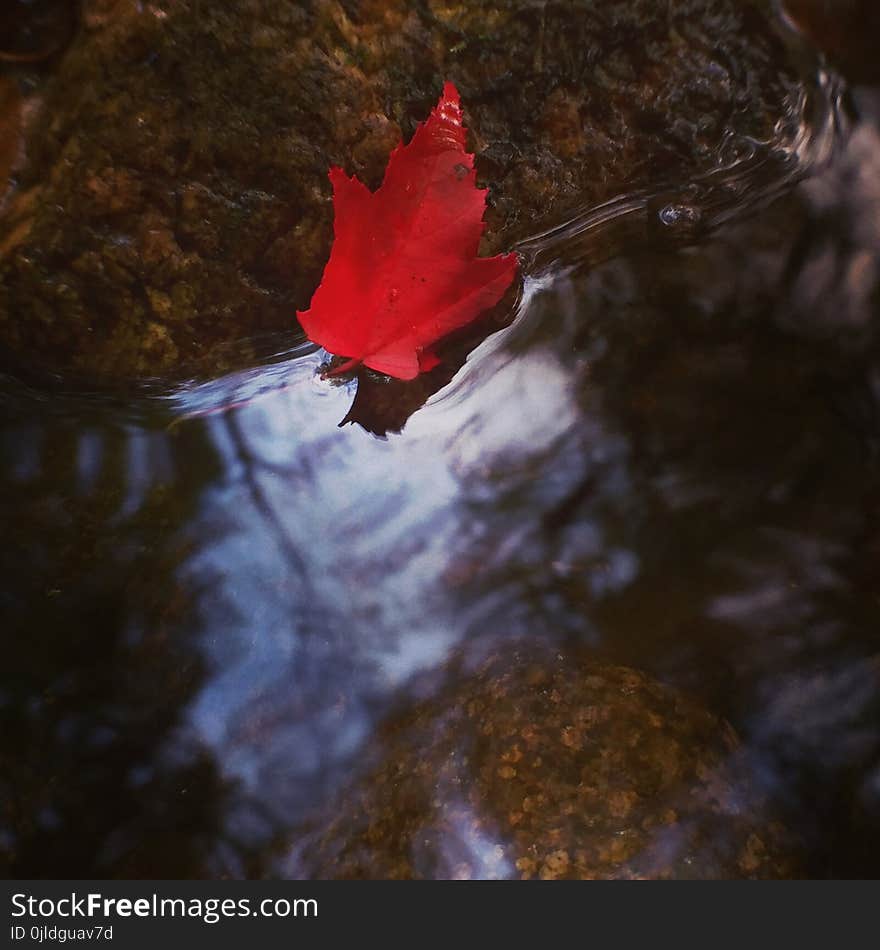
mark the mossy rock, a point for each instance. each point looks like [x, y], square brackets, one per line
[551, 766]
[175, 207]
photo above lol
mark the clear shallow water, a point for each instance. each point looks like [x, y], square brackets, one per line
[212, 596]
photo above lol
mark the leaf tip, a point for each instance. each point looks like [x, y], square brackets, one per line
[450, 93]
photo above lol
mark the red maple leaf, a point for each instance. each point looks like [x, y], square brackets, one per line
[403, 270]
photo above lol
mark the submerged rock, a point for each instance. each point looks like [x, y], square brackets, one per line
[176, 196]
[551, 767]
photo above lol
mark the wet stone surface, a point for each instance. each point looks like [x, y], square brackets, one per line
[175, 207]
[549, 766]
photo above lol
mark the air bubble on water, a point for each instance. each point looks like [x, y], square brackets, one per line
[680, 215]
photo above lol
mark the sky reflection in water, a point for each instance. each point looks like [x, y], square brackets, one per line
[672, 460]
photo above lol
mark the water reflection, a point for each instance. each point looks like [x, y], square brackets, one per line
[211, 599]
[328, 566]
[98, 662]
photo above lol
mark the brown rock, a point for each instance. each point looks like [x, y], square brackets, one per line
[184, 148]
[616, 776]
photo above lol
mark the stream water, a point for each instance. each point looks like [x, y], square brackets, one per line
[211, 595]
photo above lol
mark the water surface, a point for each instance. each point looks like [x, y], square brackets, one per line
[211, 594]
